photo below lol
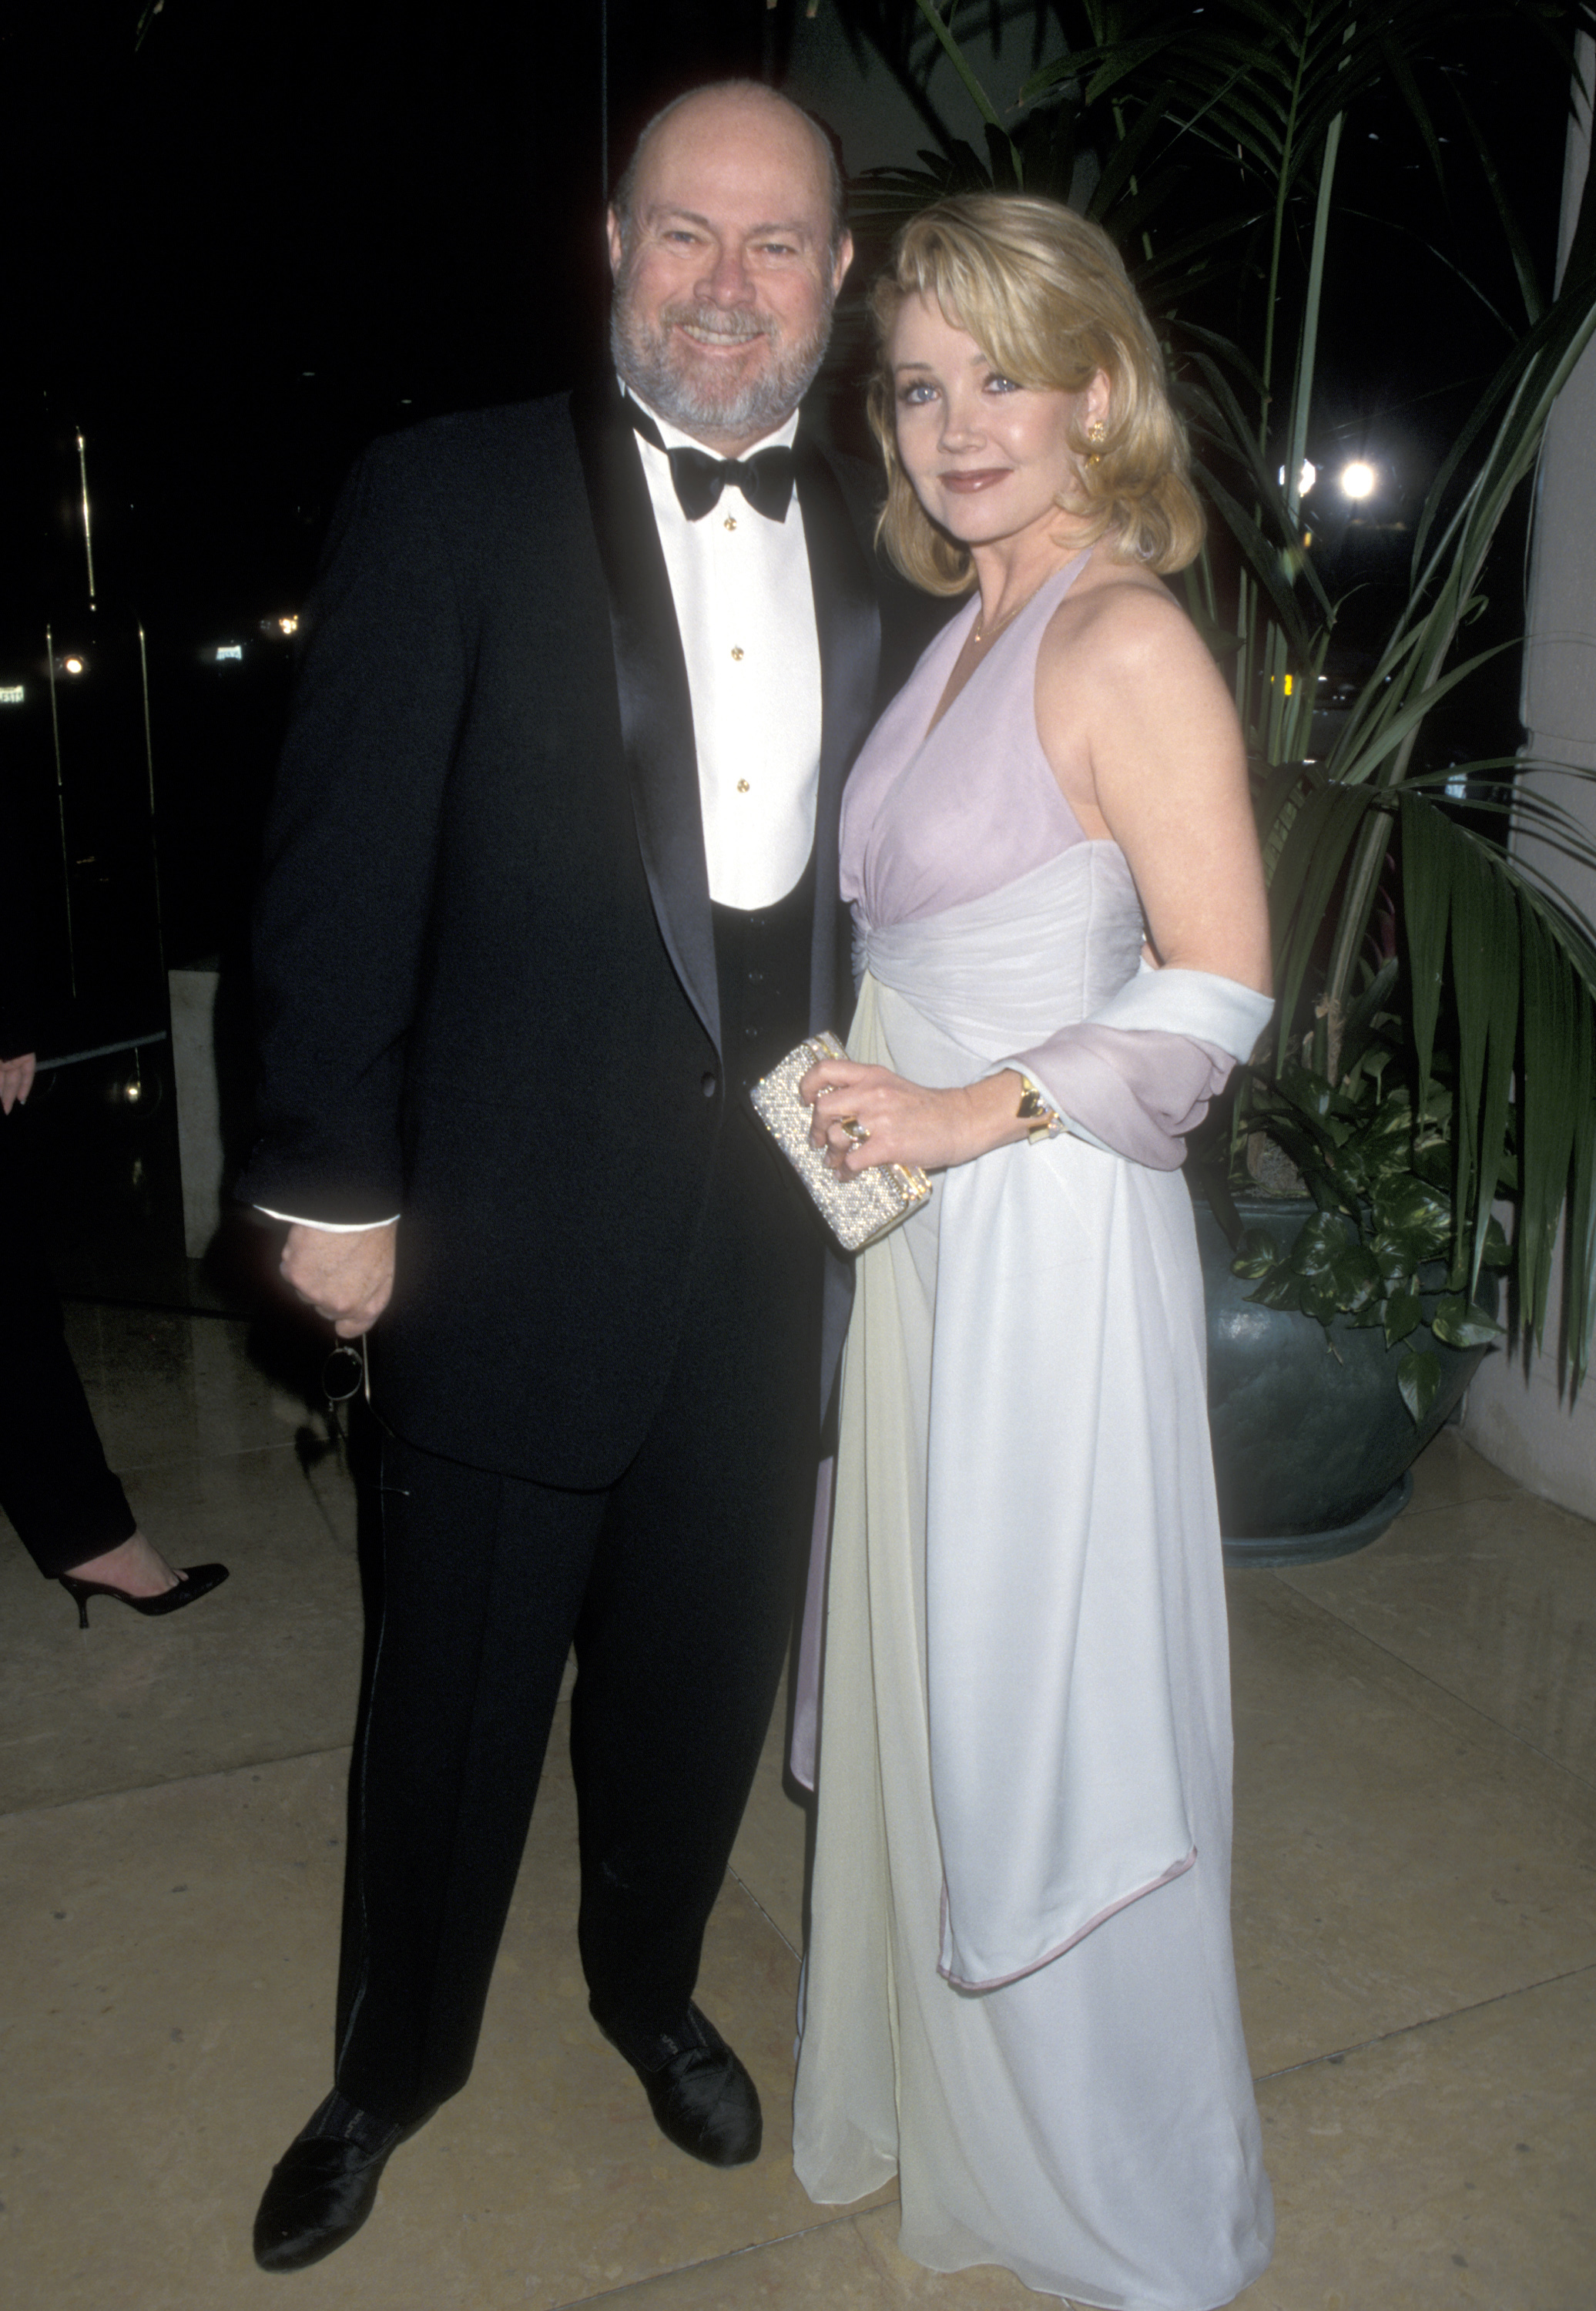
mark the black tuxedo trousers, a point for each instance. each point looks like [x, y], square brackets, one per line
[676, 1584]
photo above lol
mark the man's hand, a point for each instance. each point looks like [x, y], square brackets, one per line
[346, 1277]
[16, 1080]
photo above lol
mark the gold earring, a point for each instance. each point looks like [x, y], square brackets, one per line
[1096, 434]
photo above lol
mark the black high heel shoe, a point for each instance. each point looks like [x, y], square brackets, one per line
[197, 1582]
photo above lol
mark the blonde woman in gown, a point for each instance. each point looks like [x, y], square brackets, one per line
[1020, 1990]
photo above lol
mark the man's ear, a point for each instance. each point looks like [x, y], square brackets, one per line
[612, 225]
[844, 259]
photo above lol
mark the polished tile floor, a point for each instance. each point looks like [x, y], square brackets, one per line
[1415, 1907]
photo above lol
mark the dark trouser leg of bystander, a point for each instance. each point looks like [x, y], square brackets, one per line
[54, 1485]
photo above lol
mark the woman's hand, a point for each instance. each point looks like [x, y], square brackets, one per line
[898, 1122]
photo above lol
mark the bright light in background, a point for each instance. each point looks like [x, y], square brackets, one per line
[1306, 479]
[11, 694]
[1358, 479]
[288, 625]
[234, 651]
[72, 665]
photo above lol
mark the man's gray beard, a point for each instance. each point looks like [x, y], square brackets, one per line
[650, 365]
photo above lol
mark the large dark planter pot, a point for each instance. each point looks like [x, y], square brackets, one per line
[1311, 1449]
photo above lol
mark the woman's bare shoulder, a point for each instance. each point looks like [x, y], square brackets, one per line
[1121, 634]
[1122, 613]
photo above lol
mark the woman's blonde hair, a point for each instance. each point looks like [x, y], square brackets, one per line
[1045, 297]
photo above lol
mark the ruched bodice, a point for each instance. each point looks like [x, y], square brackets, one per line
[1001, 972]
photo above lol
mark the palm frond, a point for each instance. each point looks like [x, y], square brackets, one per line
[1315, 832]
[1522, 983]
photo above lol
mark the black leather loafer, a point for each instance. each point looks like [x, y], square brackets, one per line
[321, 2190]
[701, 2097]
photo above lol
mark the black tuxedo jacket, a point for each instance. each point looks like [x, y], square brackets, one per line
[484, 962]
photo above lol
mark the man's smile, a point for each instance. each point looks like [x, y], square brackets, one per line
[721, 340]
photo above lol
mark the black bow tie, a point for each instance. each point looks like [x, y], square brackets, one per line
[765, 479]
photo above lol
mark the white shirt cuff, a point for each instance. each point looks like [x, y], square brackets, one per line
[328, 1227]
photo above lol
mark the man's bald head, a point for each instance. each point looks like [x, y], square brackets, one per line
[737, 98]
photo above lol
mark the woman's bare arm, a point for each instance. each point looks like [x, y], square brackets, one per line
[1143, 738]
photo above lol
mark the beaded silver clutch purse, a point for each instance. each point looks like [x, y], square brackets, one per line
[857, 1206]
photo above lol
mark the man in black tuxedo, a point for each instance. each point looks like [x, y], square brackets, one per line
[552, 878]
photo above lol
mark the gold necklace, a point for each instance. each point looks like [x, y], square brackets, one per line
[978, 638]
[1008, 617]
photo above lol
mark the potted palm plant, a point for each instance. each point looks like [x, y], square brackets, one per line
[1435, 1042]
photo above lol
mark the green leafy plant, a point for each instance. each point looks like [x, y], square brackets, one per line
[1375, 1154]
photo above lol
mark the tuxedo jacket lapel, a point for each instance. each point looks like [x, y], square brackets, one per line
[655, 703]
[848, 627]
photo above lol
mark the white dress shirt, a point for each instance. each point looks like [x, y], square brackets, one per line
[746, 610]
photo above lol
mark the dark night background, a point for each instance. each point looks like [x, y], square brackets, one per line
[248, 241]
[252, 242]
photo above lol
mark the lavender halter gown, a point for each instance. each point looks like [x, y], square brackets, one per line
[1020, 1990]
